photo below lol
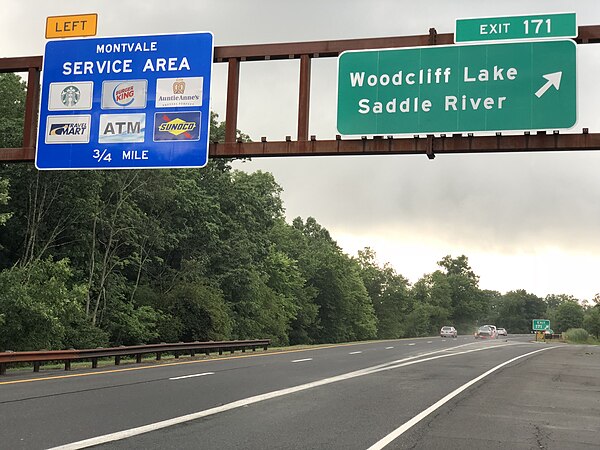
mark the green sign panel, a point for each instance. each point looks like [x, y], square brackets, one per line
[458, 88]
[517, 27]
[540, 325]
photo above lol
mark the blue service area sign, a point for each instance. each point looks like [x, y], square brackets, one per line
[126, 102]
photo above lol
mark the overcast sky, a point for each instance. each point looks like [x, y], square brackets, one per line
[526, 221]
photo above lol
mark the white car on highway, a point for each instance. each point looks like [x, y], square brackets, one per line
[448, 332]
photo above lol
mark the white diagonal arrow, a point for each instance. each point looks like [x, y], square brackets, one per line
[553, 80]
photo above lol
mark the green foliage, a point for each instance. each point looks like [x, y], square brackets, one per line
[41, 307]
[516, 309]
[568, 315]
[591, 321]
[4, 216]
[577, 335]
[129, 325]
[12, 110]
[200, 311]
[389, 293]
[345, 311]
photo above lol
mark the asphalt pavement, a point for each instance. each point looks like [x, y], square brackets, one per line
[506, 393]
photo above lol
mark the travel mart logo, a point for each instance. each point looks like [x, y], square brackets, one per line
[116, 128]
[177, 126]
[177, 92]
[128, 94]
[67, 129]
[70, 96]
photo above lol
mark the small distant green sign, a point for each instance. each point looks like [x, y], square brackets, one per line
[541, 26]
[540, 324]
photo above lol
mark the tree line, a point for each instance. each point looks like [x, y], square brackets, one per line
[101, 258]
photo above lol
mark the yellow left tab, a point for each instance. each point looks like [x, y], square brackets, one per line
[71, 26]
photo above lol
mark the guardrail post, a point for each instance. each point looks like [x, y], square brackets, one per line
[220, 351]
[138, 358]
[207, 352]
[2, 369]
[158, 356]
[94, 363]
[192, 353]
[265, 347]
[231, 351]
[36, 366]
[243, 349]
[176, 355]
[254, 348]
[67, 365]
[117, 360]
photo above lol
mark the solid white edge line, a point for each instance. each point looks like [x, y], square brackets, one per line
[302, 360]
[409, 424]
[120, 435]
[192, 376]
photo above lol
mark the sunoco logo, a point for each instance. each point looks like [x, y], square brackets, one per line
[124, 94]
[180, 126]
[177, 126]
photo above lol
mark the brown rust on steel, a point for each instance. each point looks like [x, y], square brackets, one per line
[20, 64]
[31, 107]
[304, 98]
[233, 87]
[410, 146]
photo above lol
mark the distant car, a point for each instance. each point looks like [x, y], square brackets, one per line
[486, 332]
[448, 332]
[501, 332]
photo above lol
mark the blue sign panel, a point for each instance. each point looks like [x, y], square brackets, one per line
[126, 102]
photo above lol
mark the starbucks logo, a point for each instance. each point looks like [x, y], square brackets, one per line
[70, 96]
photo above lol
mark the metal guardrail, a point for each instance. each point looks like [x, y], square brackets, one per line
[67, 356]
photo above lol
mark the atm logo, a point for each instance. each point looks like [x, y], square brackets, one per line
[176, 126]
[122, 128]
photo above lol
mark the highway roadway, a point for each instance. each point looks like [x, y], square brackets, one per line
[424, 393]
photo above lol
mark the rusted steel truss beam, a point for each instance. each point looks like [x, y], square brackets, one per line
[429, 145]
[305, 52]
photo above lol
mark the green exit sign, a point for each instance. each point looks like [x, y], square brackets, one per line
[458, 88]
[540, 325]
[541, 26]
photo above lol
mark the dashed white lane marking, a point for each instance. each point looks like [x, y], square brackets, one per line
[192, 376]
[416, 419]
[387, 348]
[443, 340]
[411, 344]
[429, 342]
[302, 360]
[119, 435]
[354, 353]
